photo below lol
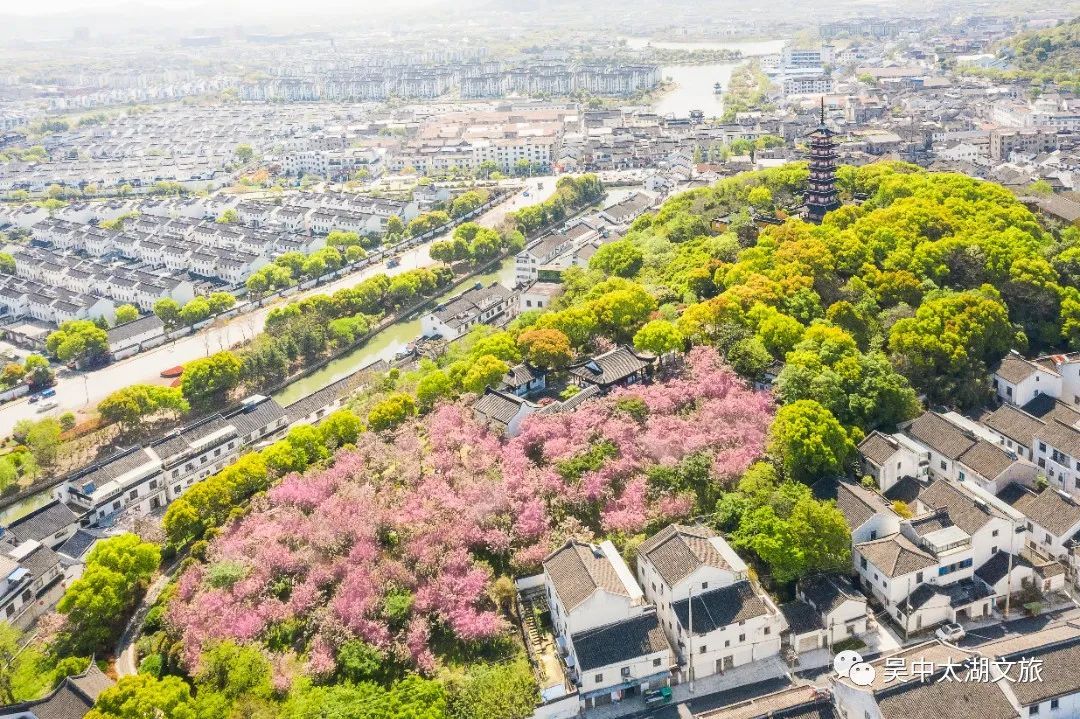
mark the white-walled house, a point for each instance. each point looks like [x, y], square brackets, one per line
[948, 446]
[868, 515]
[888, 458]
[715, 617]
[840, 606]
[1017, 380]
[479, 305]
[622, 659]
[1057, 650]
[608, 635]
[589, 585]
[1047, 431]
[925, 573]
[503, 411]
[1052, 521]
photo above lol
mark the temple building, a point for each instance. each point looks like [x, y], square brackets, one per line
[821, 194]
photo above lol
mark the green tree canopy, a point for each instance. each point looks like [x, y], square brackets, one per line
[809, 442]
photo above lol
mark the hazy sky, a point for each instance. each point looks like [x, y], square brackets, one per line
[83, 7]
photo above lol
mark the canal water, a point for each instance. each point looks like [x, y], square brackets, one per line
[25, 506]
[384, 345]
[695, 84]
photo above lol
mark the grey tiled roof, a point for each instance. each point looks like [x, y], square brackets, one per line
[989, 460]
[611, 367]
[1014, 423]
[933, 700]
[996, 568]
[620, 642]
[1014, 369]
[1048, 509]
[1047, 408]
[878, 447]
[71, 700]
[829, 591]
[906, 490]
[717, 608]
[957, 594]
[250, 419]
[577, 570]
[113, 467]
[1059, 674]
[858, 504]
[39, 561]
[520, 375]
[962, 509]
[940, 435]
[498, 406]
[78, 544]
[121, 333]
[801, 617]
[677, 551]
[43, 522]
[895, 555]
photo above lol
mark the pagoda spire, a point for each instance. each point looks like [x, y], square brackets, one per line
[821, 195]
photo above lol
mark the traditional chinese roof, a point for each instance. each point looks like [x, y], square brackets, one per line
[677, 551]
[895, 555]
[620, 642]
[577, 570]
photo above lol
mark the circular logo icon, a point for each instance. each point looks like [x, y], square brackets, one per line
[862, 674]
[844, 661]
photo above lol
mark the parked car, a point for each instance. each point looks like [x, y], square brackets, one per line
[393, 262]
[50, 392]
[656, 697]
[35, 398]
[950, 633]
[46, 406]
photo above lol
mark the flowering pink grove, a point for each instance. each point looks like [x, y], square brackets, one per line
[427, 510]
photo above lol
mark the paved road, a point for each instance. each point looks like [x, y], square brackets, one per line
[1026, 625]
[81, 391]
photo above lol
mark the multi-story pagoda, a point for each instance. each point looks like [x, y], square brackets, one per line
[821, 188]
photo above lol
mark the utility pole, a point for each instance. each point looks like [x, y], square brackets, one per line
[1008, 576]
[907, 614]
[690, 639]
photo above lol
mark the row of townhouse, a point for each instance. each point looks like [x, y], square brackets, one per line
[320, 213]
[40, 553]
[334, 164]
[21, 297]
[577, 242]
[144, 479]
[145, 236]
[478, 305]
[691, 610]
[192, 172]
[119, 284]
[45, 549]
[957, 522]
[569, 247]
[169, 251]
[1039, 417]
